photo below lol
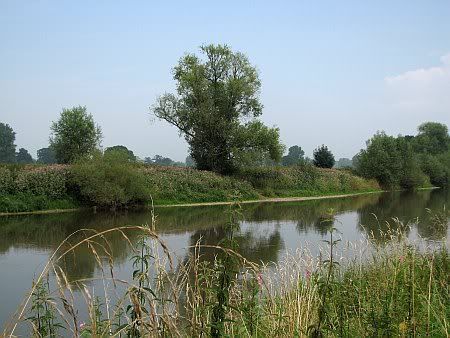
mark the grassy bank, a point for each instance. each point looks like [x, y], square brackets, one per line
[32, 187]
[395, 291]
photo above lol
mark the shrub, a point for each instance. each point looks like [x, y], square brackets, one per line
[110, 180]
[49, 181]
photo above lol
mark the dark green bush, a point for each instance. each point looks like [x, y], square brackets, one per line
[110, 180]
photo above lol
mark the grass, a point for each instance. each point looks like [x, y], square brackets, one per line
[397, 290]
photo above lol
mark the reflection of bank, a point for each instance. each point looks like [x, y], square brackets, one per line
[409, 208]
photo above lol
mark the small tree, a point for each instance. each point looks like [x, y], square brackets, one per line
[23, 156]
[323, 158]
[7, 146]
[46, 156]
[74, 135]
[125, 150]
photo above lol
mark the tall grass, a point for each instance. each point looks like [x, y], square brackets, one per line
[396, 290]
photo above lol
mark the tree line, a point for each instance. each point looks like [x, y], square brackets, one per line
[216, 107]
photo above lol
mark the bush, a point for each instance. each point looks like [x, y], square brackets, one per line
[435, 169]
[49, 181]
[110, 180]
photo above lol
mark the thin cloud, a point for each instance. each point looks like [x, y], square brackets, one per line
[422, 91]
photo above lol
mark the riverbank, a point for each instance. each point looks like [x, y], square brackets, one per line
[30, 189]
[199, 204]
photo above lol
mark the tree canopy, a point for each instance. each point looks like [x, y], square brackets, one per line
[432, 138]
[294, 156]
[46, 156]
[74, 135]
[216, 109]
[23, 156]
[323, 158]
[7, 146]
[120, 148]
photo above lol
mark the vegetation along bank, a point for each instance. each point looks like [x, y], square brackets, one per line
[112, 182]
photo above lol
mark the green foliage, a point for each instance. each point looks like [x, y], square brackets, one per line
[110, 180]
[30, 188]
[74, 135]
[436, 168]
[124, 149]
[381, 160]
[410, 161]
[7, 146]
[185, 185]
[46, 156]
[294, 156]
[433, 138]
[304, 180]
[24, 157]
[323, 158]
[43, 312]
[47, 181]
[215, 94]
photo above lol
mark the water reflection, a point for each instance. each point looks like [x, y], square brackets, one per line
[266, 232]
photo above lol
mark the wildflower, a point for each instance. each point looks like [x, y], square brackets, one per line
[308, 275]
[259, 279]
[401, 259]
[82, 325]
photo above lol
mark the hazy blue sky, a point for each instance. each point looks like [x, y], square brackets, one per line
[333, 72]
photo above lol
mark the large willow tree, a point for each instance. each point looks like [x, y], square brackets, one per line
[216, 109]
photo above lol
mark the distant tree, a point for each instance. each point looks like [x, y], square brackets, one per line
[7, 146]
[432, 138]
[216, 110]
[148, 160]
[344, 163]
[123, 149]
[46, 155]
[323, 158]
[161, 160]
[190, 161]
[74, 135]
[23, 156]
[294, 156]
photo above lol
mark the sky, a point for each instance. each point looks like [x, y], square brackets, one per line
[332, 72]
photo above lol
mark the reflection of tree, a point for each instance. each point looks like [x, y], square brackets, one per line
[255, 249]
[307, 214]
[406, 207]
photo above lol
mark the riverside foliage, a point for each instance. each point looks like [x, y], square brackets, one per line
[112, 181]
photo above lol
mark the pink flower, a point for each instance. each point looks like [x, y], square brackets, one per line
[82, 325]
[308, 274]
[259, 279]
[401, 258]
